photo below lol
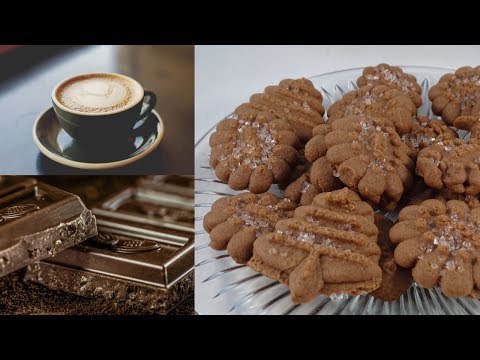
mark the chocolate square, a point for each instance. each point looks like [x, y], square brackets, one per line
[37, 221]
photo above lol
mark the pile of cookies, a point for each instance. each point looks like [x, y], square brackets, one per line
[328, 233]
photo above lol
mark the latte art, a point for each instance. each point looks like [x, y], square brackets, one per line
[99, 93]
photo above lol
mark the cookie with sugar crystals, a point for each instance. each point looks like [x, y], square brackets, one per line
[445, 195]
[457, 95]
[329, 247]
[367, 155]
[440, 240]
[421, 192]
[303, 188]
[253, 150]
[452, 165]
[393, 77]
[304, 184]
[235, 222]
[376, 101]
[425, 132]
[294, 100]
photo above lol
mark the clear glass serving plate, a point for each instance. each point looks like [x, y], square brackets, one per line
[225, 287]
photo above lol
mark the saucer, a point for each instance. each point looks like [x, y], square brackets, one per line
[60, 147]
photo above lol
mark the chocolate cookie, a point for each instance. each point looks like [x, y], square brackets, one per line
[426, 131]
[296, 101]
[253, 150]
[298, 170]
[395, 279]
[441, 242]
[393, 77]
[469, 123]
[421, 192]
[451, 165]
[376, 101]
[328, 247]
[302, 189]
[457, 94]
[445, 195]
[367, 156]
[235, 222]
[304, 185]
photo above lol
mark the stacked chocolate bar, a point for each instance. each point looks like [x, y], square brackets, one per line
[134, 249]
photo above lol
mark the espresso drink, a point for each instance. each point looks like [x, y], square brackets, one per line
[99, 93]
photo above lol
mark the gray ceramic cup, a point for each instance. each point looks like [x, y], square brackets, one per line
[105, 127]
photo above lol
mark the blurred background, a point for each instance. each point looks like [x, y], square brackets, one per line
[28, 74]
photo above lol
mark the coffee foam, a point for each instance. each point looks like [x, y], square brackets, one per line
[98, 93]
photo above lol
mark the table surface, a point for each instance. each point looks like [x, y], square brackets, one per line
[225, 76]
[28, 75]
[19, 297]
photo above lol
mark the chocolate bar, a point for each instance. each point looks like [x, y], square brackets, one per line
[150, 207]
[38, 221]
[8, 180]
[140, 257]
[173, 184]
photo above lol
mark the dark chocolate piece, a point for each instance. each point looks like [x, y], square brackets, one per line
[6, 181]
[138, 258]
[151, 207]
[174, 184]
[38, 221]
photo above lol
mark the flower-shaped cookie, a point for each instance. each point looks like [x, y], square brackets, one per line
[451, 164]
[302, 190]
[376, 101]
[235, 222]
[457, 94]
[296, 101]
[446, 195]
[395, 279]
[367, 155]
[253, 150]
[441, 241]
[426, 131]
[421, 192]
[328, 247]
[393, 77]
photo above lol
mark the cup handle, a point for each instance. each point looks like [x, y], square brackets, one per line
[149, 102]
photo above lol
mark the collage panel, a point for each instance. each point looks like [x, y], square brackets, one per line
[96, 180]
[96, 245]
[114, 109]
[337, 180]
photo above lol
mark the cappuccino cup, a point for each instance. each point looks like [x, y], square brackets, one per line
[101, 107]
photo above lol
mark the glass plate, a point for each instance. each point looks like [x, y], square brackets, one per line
[225, 287]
